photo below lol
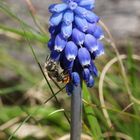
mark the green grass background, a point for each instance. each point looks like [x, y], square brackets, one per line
[23, 90]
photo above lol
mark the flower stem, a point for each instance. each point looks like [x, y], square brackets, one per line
[76, 113]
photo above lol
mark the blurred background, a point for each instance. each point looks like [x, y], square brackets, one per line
[23, 89]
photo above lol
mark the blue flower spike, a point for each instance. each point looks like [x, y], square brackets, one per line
[76, 40]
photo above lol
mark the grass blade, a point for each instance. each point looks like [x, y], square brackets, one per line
[92, 120]
[30, 34]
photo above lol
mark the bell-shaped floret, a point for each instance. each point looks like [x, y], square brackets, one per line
[57, 8]
[86, 74]
[90, 82]
[88, 4]
[90, 43]
[91, 17]
[56, 19]
[93, 69]
[100, 50]
[60, 43]
[80, 11]
[69, 88]
[78, 37]
[71, 51]
[81, 23]
[68, 17]
[91, 28]
[84, 57]
[75, 78]
[98, 33]
[66, 30]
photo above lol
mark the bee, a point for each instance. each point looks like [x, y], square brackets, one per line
[55, 72]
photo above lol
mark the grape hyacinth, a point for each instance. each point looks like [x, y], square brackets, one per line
[75, 40]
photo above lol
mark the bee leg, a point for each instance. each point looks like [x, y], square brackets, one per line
[65, 77]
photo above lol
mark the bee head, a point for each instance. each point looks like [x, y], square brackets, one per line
[50, 65]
